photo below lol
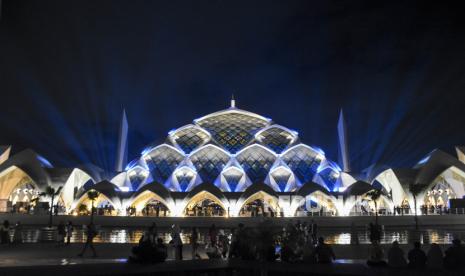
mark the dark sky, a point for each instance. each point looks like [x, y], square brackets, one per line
[67, 68]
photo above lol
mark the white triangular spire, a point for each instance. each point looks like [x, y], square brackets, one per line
[233, 101]
[122, 150]
[343, 145]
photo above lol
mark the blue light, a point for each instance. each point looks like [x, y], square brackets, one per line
[146, 150]
[334, 166]
[319, 150]
[131, 164]
[425, 159]
[44, 162]
[172, 131]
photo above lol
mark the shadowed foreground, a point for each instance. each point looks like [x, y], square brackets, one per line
[48, 259]
[216, 267]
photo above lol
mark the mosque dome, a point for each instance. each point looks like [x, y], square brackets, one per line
[233, 149]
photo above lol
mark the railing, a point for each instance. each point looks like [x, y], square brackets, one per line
[382, 212]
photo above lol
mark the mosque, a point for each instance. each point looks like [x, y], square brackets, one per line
[229, 163]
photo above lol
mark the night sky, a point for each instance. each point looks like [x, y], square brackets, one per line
[67, 69]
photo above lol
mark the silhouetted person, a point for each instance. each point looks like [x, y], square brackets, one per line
[323, 252]
[90, 234]
[153, 232]
[434, 257]
[416, 256]
[396, 256]
[18, 236]
[5, 232]
[455, 255]
[69, 232]
[144, 252]
[213, 233]
[61, 232]
[161, 251]
[314, 231]
[177, 242]
[376, 257]
[195, 243]
[354, 234]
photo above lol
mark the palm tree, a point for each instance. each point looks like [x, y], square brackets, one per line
[415, 190]
[92, 195]
[52, 193]
[374, 195]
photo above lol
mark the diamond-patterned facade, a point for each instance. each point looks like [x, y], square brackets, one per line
[330, 178]
[256, 162]
[190, 138]
[209, 162]
[276, 138]
[281, 177]
[233, 177]
[137, 176]
[162, 161]
[233, 131]
[302, 161]
[184, 178]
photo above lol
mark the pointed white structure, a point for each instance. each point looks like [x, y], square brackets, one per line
[460, 153]
[233, 101]
[343, 144]
[122, 150]
[4, 153]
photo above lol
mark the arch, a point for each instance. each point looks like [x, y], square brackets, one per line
[75, 181]
[12, 178]
[249, 192]
[142, 199]
[454, 177]
[439, 194]
[390, 181]
[200, 197]
[270, 200]
[84, 200]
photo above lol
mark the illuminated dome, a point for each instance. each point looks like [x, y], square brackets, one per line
[233, 149]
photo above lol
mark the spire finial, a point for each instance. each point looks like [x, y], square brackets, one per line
[233, 101]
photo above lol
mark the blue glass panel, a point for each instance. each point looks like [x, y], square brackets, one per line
[233, 181]
[281, 180]
[276, 138]
[233, 131]
[162, 162]
[256, 162]
[303, 162]
[209, 163]
[184, 179]
[190, 138]
[330, 178]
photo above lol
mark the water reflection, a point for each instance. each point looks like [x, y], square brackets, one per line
[132, 235]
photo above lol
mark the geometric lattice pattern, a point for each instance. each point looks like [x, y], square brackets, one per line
[232, 131]
[162, 161]
[190, 138]
[233, 177]
[276, 138]
[209, 162]
[302, 161]
[137, 176]
[184, 178]
[256, 162]
[281, 177]
[329, 177]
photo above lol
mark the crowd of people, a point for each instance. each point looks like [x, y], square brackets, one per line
[151, 248]
[11, 234]
[295, 243]
[417, 258]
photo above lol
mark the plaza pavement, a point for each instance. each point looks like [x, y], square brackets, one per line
[37, 253]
